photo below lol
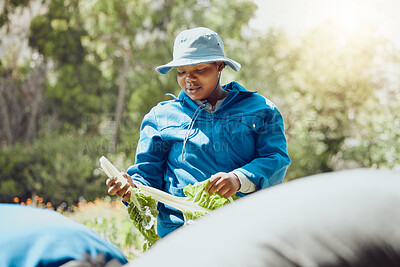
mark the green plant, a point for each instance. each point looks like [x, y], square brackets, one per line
[109, 218]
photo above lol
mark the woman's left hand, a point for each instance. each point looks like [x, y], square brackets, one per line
[226, 184]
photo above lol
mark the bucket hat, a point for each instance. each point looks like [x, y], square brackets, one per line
[197, 46]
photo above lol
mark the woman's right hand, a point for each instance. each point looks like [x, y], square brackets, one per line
[116, 189]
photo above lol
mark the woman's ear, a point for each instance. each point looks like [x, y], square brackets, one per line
[220, 66]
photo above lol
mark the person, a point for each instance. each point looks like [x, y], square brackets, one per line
[227, 134]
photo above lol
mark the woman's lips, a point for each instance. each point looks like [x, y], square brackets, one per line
[193, 88]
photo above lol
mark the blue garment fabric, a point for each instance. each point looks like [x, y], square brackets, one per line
[37, 237]
[246, 133]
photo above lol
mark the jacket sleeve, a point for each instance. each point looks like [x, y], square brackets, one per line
[271, 160]
[151, 154]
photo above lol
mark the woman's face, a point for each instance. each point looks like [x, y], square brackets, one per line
[198, 81]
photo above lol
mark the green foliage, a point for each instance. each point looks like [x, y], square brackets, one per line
[376, 143]
[110, 220]
[143, 212]
[86, 93]
[8, 6]
[326, 86]
[59, 168]
[57, 34]
[56, 39]
[76, 84]
[333, 85]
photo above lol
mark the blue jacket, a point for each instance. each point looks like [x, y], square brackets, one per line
[182, 144]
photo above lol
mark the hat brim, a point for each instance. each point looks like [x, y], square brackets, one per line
[164, 69]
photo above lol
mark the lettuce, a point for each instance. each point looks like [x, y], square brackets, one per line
[197, 194]
[143, 212]
[142, 206]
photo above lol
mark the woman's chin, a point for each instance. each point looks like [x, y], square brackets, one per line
[194, 96]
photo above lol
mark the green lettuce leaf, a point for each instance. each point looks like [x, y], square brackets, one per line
[142, 208]
[143, 212]
[197, 194]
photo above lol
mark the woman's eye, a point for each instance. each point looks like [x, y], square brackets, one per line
[200, 70]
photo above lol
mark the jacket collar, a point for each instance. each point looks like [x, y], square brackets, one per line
[233, 88]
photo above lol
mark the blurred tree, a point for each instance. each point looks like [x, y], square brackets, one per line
[7, 7]
[58, 168]
[327, 87]
[21, 103]
[76, 86]
[22, 74]
[376, 138]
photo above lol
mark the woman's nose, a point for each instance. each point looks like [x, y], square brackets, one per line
[190, 77]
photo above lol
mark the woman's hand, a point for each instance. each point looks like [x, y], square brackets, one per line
[226, 184]
[115, 187]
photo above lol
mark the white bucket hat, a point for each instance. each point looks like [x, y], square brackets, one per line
[197, 46]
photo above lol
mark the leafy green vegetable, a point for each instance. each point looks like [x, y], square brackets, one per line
[143, 212]
[142, 206]
[197, 194]
[189, 216]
